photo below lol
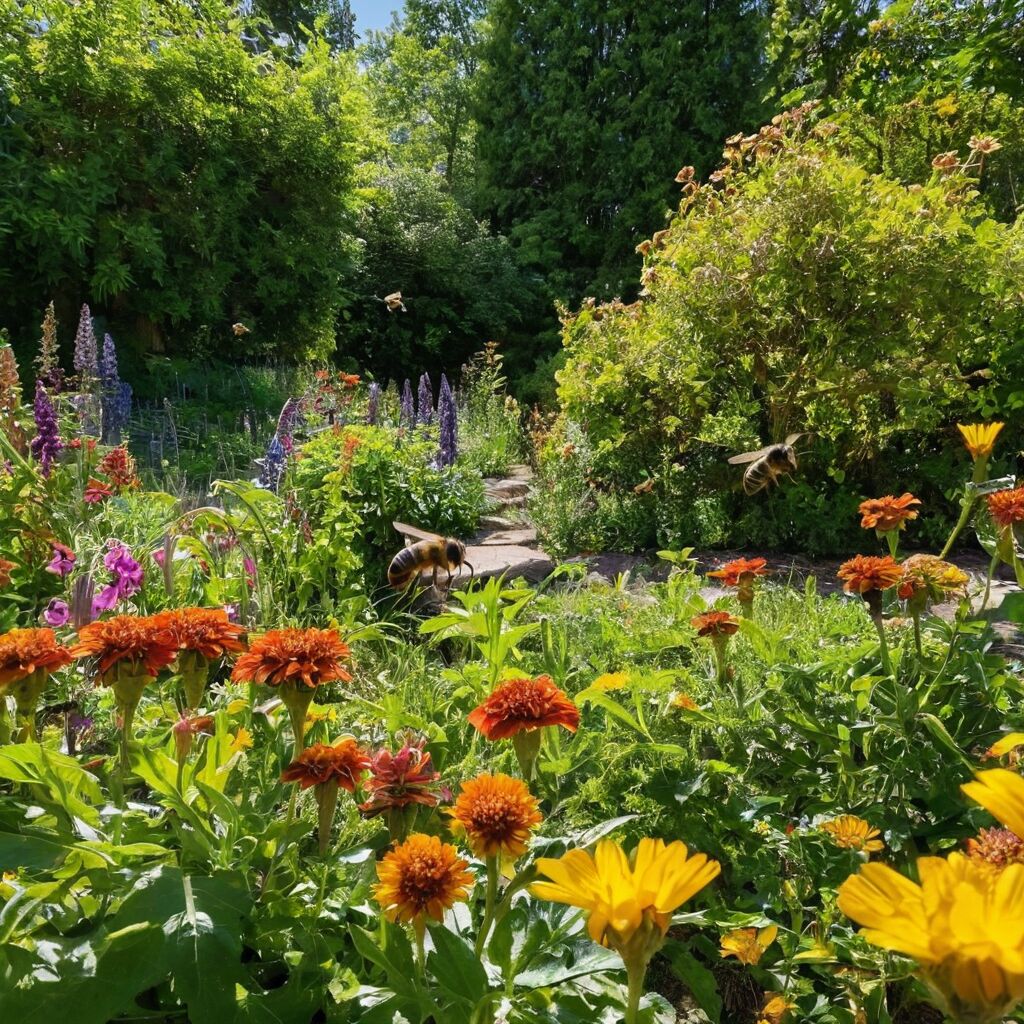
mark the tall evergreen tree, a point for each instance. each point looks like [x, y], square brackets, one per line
[586, 111]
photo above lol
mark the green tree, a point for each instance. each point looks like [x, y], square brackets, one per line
[157, 168]
[587, 110]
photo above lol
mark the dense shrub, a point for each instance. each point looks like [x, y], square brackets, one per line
[795, 292]
[157, 168]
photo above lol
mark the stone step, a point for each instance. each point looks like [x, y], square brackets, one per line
[520, 472]
[499, 490]
[524, 536]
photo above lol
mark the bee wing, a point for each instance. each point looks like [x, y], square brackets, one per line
[793, 438]
[739, 460]
[414, 531]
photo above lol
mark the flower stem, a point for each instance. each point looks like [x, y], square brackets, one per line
[970, 500]
[635, 974]
[489, 901]
[988, 580]
[883, 644]
[916, 617]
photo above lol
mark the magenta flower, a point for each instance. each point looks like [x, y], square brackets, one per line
[160, 557]
[250, 571]
[127, 572]
[63, 560]
[57, 613]
[105, 600]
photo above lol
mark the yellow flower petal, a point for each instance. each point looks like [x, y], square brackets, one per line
[1001, 793]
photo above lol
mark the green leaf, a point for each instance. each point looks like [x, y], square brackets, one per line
[699, 980]
[455, 966]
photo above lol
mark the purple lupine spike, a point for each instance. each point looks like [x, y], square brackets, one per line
[111, 403]
[46, 444]
[109, 376]
[272, 465]
[425, 401]
[86, 355]
[407, 416]
[373, 404]
[290, 418]
[447, 417]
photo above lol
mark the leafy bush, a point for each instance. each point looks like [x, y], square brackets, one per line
[797, 292]
[158, 168]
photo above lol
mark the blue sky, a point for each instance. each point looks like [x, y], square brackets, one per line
[373, 13]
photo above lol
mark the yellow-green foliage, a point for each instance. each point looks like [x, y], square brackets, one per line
[797, 292]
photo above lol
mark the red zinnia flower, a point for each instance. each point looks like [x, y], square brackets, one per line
[519, 705]
[96, 491]
[400, 780]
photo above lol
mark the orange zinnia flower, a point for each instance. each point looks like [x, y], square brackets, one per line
[311, 657]
[715, 624]
[125, 638]
[888, 513]
[401, 780]
[520, 705]
[1007, 507]
[343, 762]
[206, 631]
[496, 814]
[730, 572]
[929, 577]
[864, 573]
[24, 652]
[421, 878]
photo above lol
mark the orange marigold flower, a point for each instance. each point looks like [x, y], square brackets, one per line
[864, 573]
[685, 702]
[96, 491]
[852, 833]
[421, 878]
[997, 846]
[344, 762]
[311, 657]
[118, 466]
[26, 651]
[496, 814]
[888, 513]
[207, 631]
[730, 572]
[1007, 507]
[715, 624]
[520, 705]
[131, 638]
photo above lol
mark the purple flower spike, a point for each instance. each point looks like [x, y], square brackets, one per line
[86, 354]
[449, 425]
[57, 613]
[46, 444]
[425, 401]
[373, 404]
[407, 416]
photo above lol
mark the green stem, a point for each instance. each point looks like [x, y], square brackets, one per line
[489, 901]
[988, 580]
[883, 645]
[967, 507]
[635, 974]
[916, 617]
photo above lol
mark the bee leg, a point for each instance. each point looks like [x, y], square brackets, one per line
[433, 578]
[472, 571]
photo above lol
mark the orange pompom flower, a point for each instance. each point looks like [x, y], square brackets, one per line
[421, 879]
[715, 624]
[717, 627]
[496, 814]
[1007, 507]
[888, 513]
[27, 657]
[128, 653]
[863, 574]
[399, 784]
[201, 635]
[732, 573]
[741, 573]
[341, 765]
[296, 661]
[519, 709]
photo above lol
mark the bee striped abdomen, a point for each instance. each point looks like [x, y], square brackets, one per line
[757, 477]
[405, 565]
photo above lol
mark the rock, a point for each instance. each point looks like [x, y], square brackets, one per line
[523, 536]
[520, 472]
[497, 523]
[502, 490]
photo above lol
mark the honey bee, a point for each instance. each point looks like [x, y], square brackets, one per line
[394, 302]
[431, 551]
[768, 464]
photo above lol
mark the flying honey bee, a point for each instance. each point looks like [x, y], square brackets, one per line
[767, 465]
[430, 552]
[394, 302]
